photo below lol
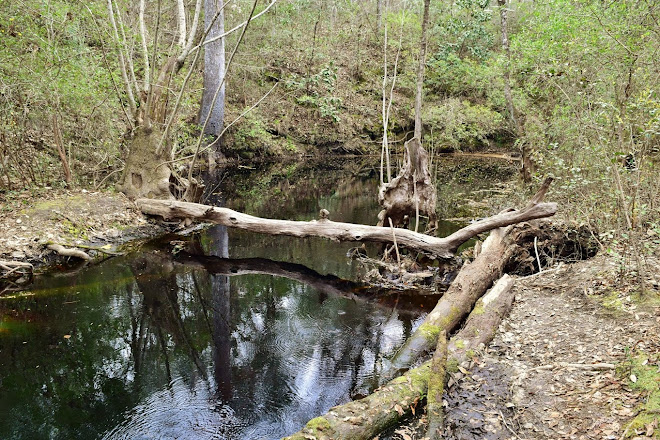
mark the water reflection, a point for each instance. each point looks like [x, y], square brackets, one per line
[159, 349]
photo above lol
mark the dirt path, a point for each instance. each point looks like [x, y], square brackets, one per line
[522, 387]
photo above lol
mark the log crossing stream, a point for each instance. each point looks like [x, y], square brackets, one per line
[147, 346]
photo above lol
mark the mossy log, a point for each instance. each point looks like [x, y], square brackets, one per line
[470, 284]
[434, 410]
[480, 327]
[366, 418]
[444, 248]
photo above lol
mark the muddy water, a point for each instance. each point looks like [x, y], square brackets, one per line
[148, 345]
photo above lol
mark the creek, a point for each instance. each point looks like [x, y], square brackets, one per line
[146, 346]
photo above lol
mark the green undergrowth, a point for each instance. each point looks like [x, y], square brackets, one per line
[642, 371]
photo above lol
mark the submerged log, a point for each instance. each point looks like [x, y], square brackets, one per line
[437, 247]
[364, 419]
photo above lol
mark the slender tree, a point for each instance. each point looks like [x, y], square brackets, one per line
[214, 70]
[412, 192]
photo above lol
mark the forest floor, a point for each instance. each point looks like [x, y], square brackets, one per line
[535, 381]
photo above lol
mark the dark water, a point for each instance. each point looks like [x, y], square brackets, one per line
[148, 346]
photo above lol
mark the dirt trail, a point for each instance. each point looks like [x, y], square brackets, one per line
[521, 388]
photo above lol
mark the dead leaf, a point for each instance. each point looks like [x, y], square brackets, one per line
[398, 409]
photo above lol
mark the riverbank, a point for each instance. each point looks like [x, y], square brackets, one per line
[96, 222]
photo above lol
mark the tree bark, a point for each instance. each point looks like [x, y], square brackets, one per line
[144, 173]
[214, 70]
[437, 247]
[434, 410]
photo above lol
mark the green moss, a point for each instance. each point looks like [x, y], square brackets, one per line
[318, 424]
[452, 365]
[430, 331]
[460, 343]
[478, 309]
[419, 377]
[646, 373]
[612, 301]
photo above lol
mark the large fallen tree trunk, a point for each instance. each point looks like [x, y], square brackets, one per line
[364, 419]
[470, 284]
[437, 247]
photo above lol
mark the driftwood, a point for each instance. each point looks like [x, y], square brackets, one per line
[434, 410]
[437, 247]
[69, 252]
[364, 419]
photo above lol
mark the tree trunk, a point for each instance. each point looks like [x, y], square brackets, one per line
[438, 247]
[410, 194]
[420, 72]
[214, 71]
[144, 173]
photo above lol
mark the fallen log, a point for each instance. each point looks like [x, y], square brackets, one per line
[444, 248]
[366, 418]
[470, 284]
[480, 327]
[434, 410]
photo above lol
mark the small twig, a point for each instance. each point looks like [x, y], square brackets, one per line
[396, 247]
[577, 366]
[106, 178]
[507, 426]
[536, 251]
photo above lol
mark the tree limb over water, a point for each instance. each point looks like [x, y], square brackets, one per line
[444, 248]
